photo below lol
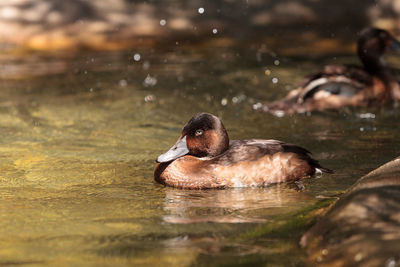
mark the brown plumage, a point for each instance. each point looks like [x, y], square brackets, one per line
[203, 158]
[337, 86]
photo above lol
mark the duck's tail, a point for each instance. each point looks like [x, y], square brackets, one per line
[325, 170]
[317, 166]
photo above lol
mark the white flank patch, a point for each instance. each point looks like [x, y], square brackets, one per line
[318, 171]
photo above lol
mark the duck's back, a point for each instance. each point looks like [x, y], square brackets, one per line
[254, 149]
[258, 162]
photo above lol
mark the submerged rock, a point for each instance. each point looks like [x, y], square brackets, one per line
[363, 227]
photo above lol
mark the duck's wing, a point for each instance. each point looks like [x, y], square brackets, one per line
[254, 149]
[343, 80]
[333, 81]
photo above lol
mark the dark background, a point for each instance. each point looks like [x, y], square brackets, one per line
[119, 24]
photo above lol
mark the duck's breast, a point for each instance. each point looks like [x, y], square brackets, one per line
[187, 172]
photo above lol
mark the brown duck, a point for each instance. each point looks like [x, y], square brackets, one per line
[203, 157]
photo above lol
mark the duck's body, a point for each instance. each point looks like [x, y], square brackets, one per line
[337, 86]
[239, 163]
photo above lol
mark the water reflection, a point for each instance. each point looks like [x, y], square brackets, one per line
[213, 245]
[236, 205]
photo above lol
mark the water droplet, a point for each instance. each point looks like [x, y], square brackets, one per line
[163, 22]
[391, 262]
[123, 83]
[367, 116]
[136, 57]
[146, 65]
[238, 99]
[275, 80]
[257, 106]
[224, 101]
[279, 113]
[215, 31]
[90, 89]
[201, 10]
[361, 129]
[149, 81]
[358, 257]
[267, 72]
[276, 62]
[149, 98]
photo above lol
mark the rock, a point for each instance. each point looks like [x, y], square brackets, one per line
[363, 227]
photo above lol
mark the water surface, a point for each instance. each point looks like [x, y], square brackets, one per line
[80, 135]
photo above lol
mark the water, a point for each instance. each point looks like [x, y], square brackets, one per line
[80, 135]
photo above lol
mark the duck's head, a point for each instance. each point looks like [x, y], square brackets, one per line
[203, 136]
[372, 44]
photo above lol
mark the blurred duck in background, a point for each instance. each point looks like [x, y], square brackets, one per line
[337, 86]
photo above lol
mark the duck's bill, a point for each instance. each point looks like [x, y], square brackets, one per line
[178, 150]
[395, 45]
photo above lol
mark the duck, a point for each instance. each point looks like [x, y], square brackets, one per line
[205, 158]
[338, 86]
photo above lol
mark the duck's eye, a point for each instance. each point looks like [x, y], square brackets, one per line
[198, 132]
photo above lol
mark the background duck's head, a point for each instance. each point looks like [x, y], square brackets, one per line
[372, 44]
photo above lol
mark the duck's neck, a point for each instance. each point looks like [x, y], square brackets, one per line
[373, 62]
[376, 65]
[221, 141]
